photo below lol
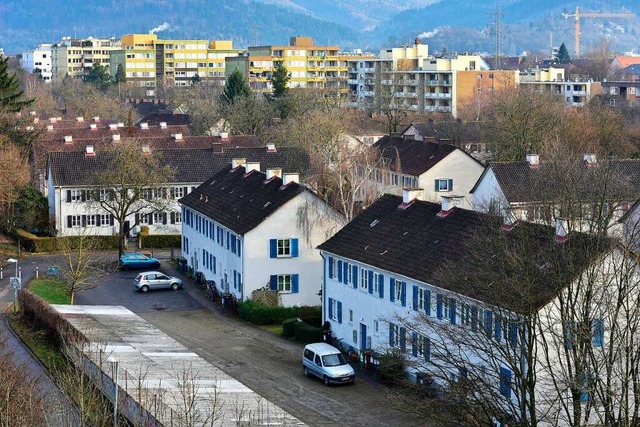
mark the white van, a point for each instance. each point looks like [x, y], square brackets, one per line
[327, 363]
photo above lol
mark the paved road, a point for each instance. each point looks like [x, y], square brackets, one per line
[268, 364]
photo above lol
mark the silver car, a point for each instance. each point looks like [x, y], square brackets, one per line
[149, 280]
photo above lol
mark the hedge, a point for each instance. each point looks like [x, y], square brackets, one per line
[306, 333]
[161, 241]
[265, 315]
[288, 327]
[33, 243]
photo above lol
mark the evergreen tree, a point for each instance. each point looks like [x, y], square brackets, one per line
[279, 79]
[11, 95]
[99, 76]
[235, 87]
[563, 55]
[120, 75]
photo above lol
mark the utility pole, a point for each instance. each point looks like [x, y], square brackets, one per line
[497, 24]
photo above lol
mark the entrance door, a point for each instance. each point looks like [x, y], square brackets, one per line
[363, 336]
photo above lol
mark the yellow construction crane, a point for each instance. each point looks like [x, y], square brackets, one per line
[576, 26]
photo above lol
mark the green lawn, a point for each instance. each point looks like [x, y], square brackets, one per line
[41, 345]
[274, 329]
[50, 289]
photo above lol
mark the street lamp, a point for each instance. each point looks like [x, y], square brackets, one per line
[15, 284]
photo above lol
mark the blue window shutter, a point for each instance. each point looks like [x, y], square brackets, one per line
[598, 332]
[340, 275]
[414, 343]
[505, 382]
[437, 186]
[415, 297]
[403, 338]
[403, 293]
[273, 248]
[450, 185]
[240, 282]
[427, 349]
[488, 322]
[273, 282]
[294, 284]
[294, 248]
[370, 281]
[355, 276]
[392, 289]
[381, 285]
[474, 318]
[339, 311]
[214, 264]
[239, 247]
[391, 337]
[452, 310]
[330, 267]
[439, 306]
[345, 272]
[330, 304]
[427, 302]
[513, 333]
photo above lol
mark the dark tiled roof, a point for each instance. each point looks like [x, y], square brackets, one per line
[240, 201]
[521, 183]
[415, 157]
[457, 132]
[168, 118]
[193, 165]
[416, 243]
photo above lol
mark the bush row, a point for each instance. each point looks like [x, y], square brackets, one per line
[33, 243]
[160, 241]
[44, 316]
[264, 315]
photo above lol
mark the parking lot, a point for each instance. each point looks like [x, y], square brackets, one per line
[268, 364]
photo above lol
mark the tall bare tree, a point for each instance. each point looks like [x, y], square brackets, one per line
[390, 99]
[201, 102]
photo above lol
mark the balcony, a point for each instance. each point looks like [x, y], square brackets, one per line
[352, 81]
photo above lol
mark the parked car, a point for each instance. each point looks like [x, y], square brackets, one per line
[136, 261]
[327, 363]
[150, 280]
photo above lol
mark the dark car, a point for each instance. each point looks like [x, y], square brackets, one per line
[135, 261]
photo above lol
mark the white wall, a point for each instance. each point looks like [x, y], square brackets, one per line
[488, 192]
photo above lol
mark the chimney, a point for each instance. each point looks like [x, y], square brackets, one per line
[178, 136]
[562, 230]
[252, 166]
[590, 159]
[52, 119]
[36, 120]
[224, 136]
[79, 119]
[33, 113]
[163, 125]
[238, 162]
[113, 126]
[96, 119]
[115, 137]
[68, 139]
[88, 151]
[58, 119]
[271, 148]
[29, 128]
[274, 172]
[50, 128]
[288, 178]
[93, 126]
[533, 160]
[411, 194]
[144, 125]
[448, 203]
[146, 149]
[120, 124]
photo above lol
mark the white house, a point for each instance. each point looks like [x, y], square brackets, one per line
[396, 278]
[243, 230]
[440, 169]
[70, 174]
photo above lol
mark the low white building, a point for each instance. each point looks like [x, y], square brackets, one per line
[38, 61]
[244, 230]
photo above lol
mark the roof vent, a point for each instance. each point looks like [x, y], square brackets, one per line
[52, 119]
[448, 203]
[533, 160]
[115, 137]
[79, 119]
[113, 126]
[58, 119]
[88, 151]
[224, 136]
[144, 125]
[252, 166]
[93, 126]
[274, 172]
[562, 230]
[146, 149]
[178, 136]
[29, 128]
[271, 148]
[96, 119]
[68, 139]
[120, 124]
[590, 159]
[33, 113]
[238, 162]
[290, 178]
[36, 120]
[50, 128]
[163, 125]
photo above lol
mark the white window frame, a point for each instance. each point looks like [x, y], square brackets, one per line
[398, 291]
[364, 280]
[334, 311]
[178, 192]
[350, 317]
[422, 298]
[444, 188]
[76, 195]
[91, 220]
[376, 328]
[284, 246]
[158, 218]
[446, 308]
[396, 335]
[284, 283]
[105, 220]
[178, 217]
[76, 221]
[349, 274]
[421, 344]
[376, 283]
[334, 268]
[465, 314]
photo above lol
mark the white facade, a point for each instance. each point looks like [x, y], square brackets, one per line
[38, 59]
[241, 264]
[488, 196]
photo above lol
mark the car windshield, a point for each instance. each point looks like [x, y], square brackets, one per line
[333, 360]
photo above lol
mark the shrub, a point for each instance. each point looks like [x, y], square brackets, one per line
[311, 315]
[160, 240]
[392, 366]
[288, 327]
[33, 243]
[265, 315]
[306, 333]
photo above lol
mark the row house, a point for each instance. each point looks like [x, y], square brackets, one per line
[396, 280]
[440, 169]
[242, 229]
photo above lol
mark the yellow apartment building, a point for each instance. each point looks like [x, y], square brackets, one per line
[75, 57]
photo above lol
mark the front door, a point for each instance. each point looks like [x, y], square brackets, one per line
[363, 336]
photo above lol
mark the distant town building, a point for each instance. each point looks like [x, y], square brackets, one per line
[576, 93]
[38, 61]
[75, 57]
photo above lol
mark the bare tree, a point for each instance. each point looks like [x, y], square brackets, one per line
[14, 174]
[84, 99]
[249, 115]
[201, 102]
[390, 99]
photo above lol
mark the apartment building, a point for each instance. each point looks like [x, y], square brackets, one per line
[309, 65]
[75, 57]
[576, 93]
[38, 61]
[153, 63]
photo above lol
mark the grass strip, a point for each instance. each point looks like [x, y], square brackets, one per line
[50, 289]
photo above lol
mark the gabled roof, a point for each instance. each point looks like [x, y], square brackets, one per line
[191, 165]
[521, 183]
[411, 156]
[625, 61]
[456, 132]
[240, 201]
[417, 243]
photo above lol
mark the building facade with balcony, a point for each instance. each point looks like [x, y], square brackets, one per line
[575, 93]
[38, 61]
[75, 57]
